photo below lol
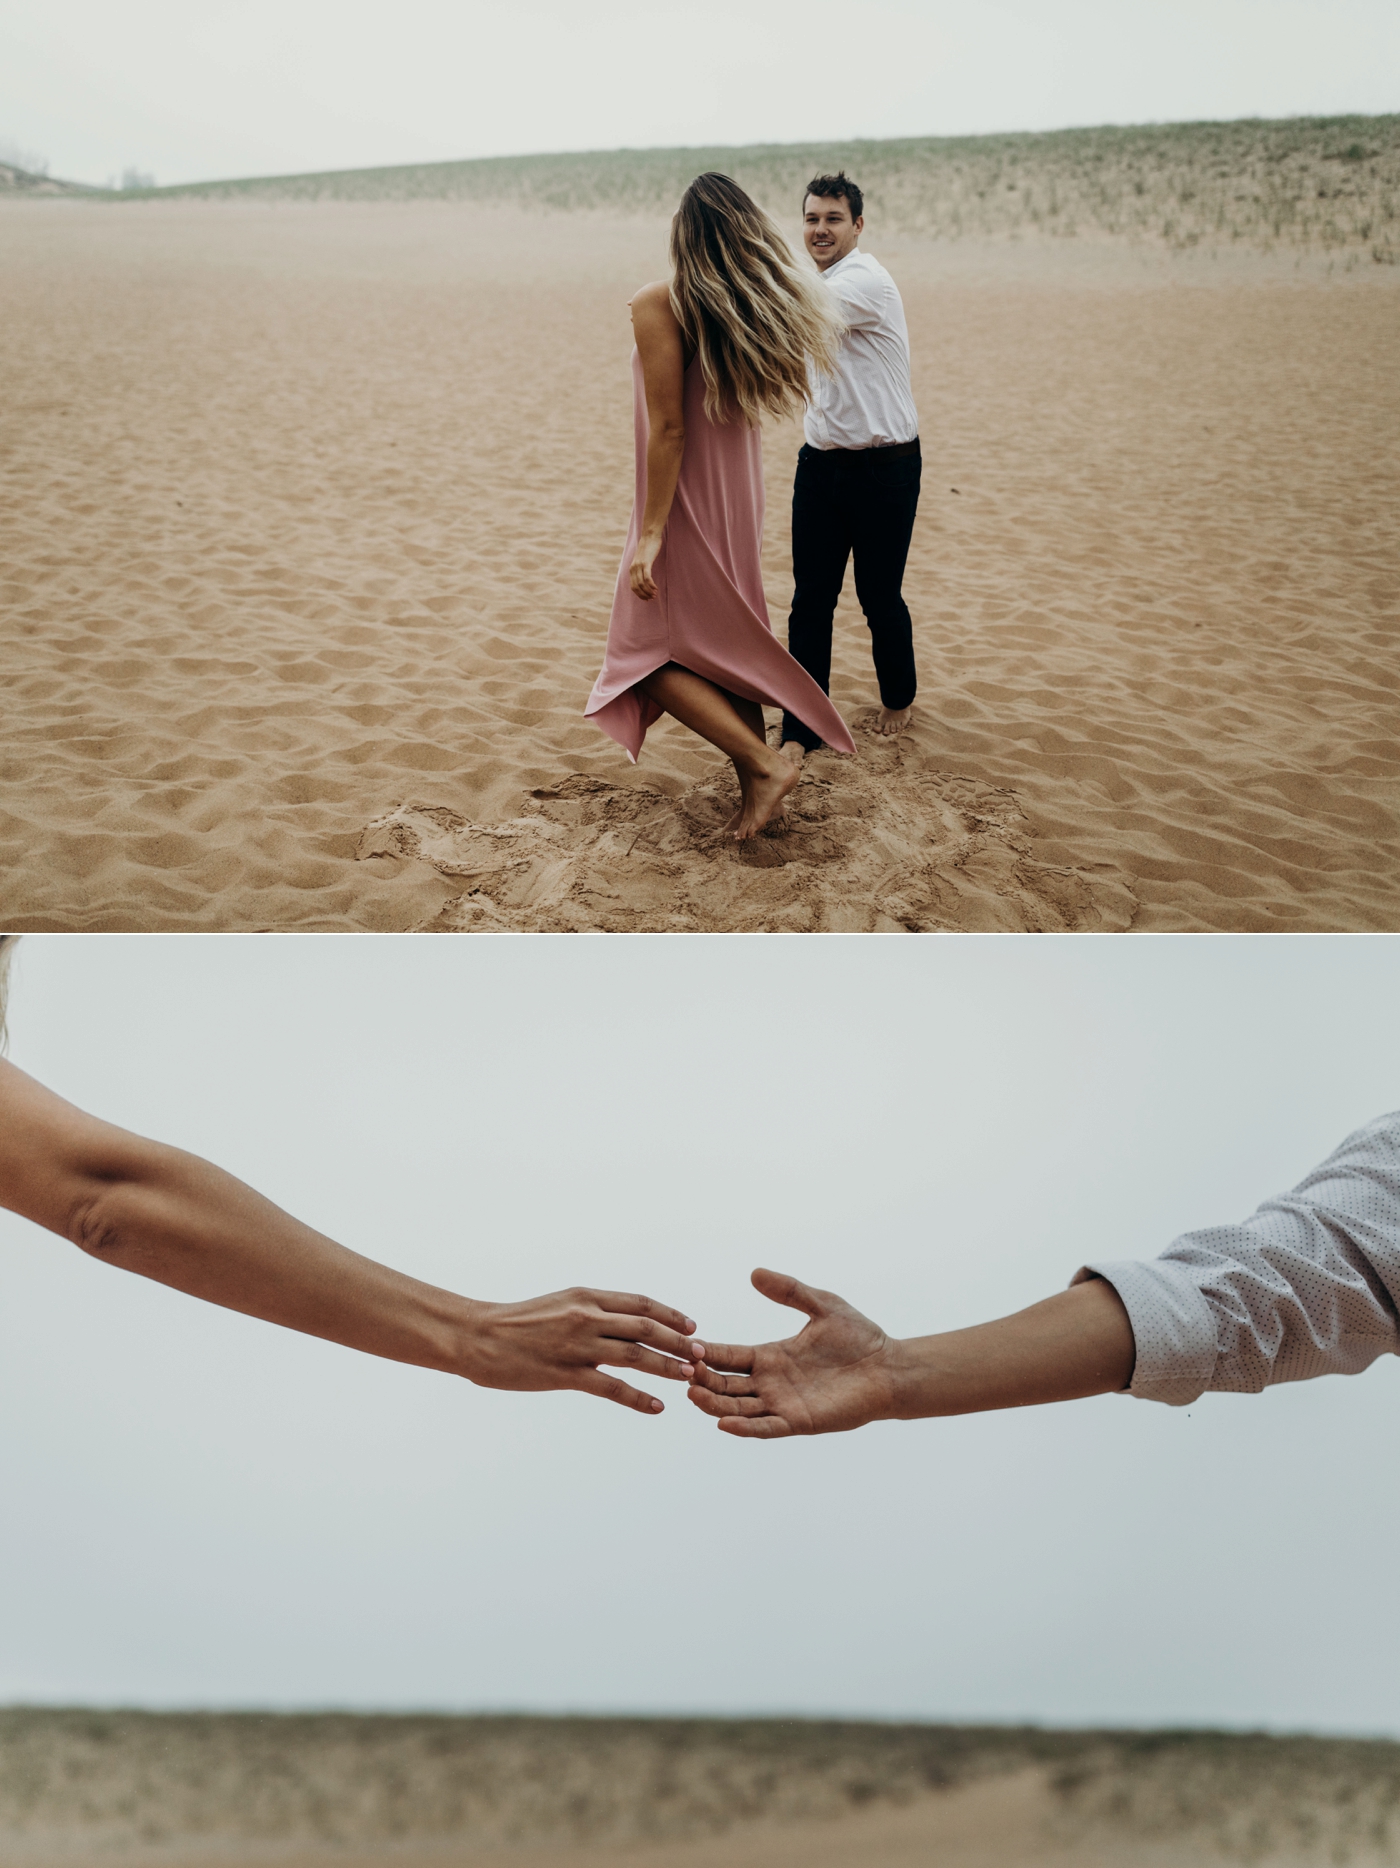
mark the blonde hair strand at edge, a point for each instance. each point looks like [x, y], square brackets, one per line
[8, 943]
[753, 315]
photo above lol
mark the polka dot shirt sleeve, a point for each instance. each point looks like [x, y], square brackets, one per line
[1310, 1285]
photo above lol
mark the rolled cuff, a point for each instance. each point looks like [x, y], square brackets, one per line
[1173, 1328]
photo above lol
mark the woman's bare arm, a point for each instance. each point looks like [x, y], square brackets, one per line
[178, 1219]
[842, 1371]
[661, 349]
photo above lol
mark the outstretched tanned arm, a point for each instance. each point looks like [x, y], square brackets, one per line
[842, 1371]
[179, 1219]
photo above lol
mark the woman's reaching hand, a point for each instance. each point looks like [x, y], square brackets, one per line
[566, 1339]
[180, 1220]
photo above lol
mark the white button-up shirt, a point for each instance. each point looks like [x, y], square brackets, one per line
[868, 403]
[1310, 1285]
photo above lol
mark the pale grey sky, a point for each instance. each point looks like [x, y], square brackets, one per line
[201, 1509]
[235, 87]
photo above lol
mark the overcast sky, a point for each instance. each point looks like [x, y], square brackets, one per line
[240, 87]
[202, 1509]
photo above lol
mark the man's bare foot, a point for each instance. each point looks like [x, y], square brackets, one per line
[763, 795]
[891, 720]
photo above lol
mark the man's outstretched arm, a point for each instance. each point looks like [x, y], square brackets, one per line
[843, 1371]
[1308, 1285]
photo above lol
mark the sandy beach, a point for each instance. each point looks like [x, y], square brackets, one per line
[1013, 1823]
[335, 1790]
[312, 513]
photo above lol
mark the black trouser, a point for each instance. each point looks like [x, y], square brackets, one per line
[858, 501]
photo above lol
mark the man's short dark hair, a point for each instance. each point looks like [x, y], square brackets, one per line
[838, 187]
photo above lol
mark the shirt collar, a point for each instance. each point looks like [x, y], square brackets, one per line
[855, 253]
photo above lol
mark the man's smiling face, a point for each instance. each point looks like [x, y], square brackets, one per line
[828, 229]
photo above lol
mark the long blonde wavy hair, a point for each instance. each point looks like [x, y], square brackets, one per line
[7, 948]
[753, 316]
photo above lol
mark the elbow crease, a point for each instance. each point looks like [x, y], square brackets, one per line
[93, 1227]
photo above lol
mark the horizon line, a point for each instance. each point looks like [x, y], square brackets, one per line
[652, 149]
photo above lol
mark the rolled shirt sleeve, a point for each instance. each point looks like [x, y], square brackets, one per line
[1310, 1285]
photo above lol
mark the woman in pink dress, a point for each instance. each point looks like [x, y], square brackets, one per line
[724, 342]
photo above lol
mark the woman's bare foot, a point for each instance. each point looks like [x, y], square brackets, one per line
[763, 796]
[794, 752]
[735, 726]
[891, 720]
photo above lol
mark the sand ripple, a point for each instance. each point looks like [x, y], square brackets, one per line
[305, 511]
[871, 845]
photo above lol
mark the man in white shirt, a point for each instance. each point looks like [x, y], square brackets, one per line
[857, 485]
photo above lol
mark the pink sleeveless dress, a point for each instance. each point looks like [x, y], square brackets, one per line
[709, 613]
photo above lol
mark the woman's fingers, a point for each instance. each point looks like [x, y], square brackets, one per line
[609, 1388]
[618, 1354]
[633, 1304]
[646, 1330]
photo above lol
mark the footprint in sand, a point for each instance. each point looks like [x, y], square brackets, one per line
[869, 845]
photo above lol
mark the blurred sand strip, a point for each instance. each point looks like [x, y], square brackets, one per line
[1011, 1823]
[417, 1790]
[312, 513]
[135, 1789]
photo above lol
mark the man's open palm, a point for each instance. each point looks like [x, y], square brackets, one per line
[833, 1375]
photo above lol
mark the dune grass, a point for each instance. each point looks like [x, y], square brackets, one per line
[15, 180]
[1328, 184]
[215, 1781]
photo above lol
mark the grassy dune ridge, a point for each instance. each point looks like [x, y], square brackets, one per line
[17, 181]
[117, 1780]
[1319, 183]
